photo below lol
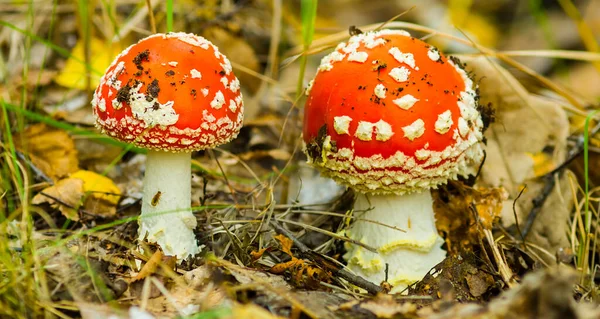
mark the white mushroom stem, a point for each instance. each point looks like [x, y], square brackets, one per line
[402, 229]
[167, 217]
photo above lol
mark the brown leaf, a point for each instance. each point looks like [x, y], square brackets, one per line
[382, 306]
[96, 194]
[280, 268]
[277, 154]
[151, 266]
[525, 124]
[251, 311]
[65, 195]
[479, 283]
[455, 217]
[286, 244]
[463, 277]
[257, 254]
[51, 150]
[101, 194]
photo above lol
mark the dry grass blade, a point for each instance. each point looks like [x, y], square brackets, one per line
[328, 233]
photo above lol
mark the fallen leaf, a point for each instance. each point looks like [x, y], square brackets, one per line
[50, 150]
[453, 206]
[542, 163]
[277, 154]
[525, 124]
[251, 311]
[154, 265]
[98, 187]
[286, 244]
[382, 306]
[547, 293]
[73, 74]
[462, 277]
[478, 285]
[257, 254]
[65, 196]
[304, 273]
[95, 193]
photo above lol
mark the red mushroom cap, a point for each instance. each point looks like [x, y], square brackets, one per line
[172, 91]
[388, 113]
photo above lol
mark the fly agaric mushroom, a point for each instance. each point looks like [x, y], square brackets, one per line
[391, 117]
[173, 94]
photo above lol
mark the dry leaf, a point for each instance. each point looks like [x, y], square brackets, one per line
[65, 195]
[51, 150]
[286, 244]
[257, 254]
[304, 274]
[99, 187]
[98, 194]
[251, 311]
[525, 124]
[464, 277]
[382, 306]
[154, 265]
[543, 294]
[73, 74]
[454, 215]
[542, 163]
[277, 154]
[101, 194]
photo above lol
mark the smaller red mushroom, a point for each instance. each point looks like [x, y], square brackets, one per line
[391, 117]
[172, 93]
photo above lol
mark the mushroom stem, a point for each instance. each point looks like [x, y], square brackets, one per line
[402, 228]
[167, 217]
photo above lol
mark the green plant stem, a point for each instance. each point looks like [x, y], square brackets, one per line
[583, 260]
[308, 10]
[169, 15]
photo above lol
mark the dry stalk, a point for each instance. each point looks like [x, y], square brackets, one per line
[503, 269]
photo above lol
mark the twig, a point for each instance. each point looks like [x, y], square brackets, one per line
[517, 217]
[550, 181]
[320, 260]
[151, 16]
[503, 269]
[63, 203]
[38, 172]
[330, 234]
[231, 189]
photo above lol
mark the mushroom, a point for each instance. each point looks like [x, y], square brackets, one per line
[391, 117]
[173, 94]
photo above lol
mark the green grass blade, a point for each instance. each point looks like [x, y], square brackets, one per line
[586, 138]
[68, 127]
[308, 12]
[169, 15]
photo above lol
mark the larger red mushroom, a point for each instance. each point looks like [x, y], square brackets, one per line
[391, 117]
[172, 93]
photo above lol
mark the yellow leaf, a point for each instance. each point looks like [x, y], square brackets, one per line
[286, 244]
[65, 195]
[542, 163]
[98, 195]
[251, 311]
[257, 254]
[73, 74]
[51, 150]
[98, 186]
